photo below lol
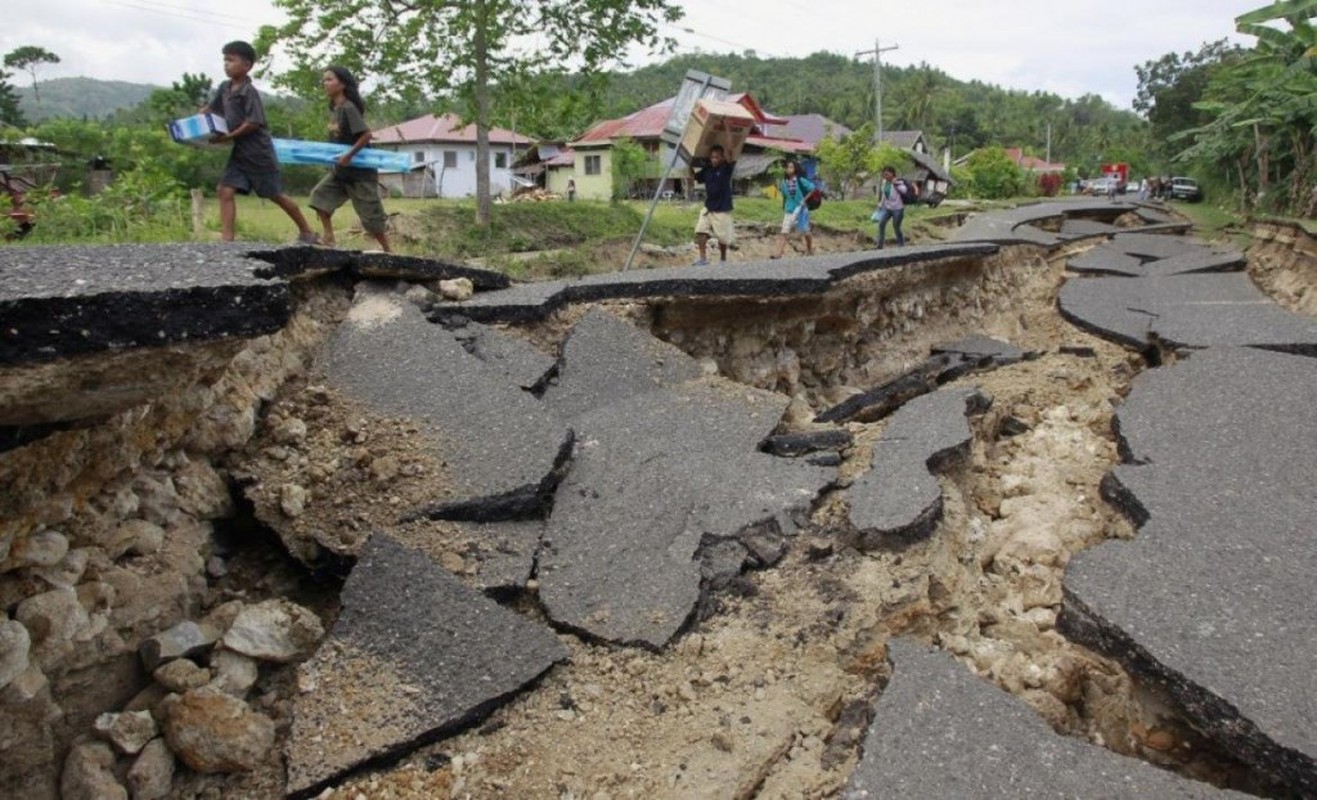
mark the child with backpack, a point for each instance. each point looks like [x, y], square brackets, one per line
[795, 187]
[894, 194]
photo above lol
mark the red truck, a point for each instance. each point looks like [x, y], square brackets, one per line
[1118, 170]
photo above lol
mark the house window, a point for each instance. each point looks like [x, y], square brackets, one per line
[418, 157]
[592, 165]
[471, 153]
[500, 160]
[450, 159]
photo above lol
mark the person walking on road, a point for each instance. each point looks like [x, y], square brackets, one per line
[795, 215]
[891, 206]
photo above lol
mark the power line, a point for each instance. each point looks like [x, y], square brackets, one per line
[185, 10]
[180, 14]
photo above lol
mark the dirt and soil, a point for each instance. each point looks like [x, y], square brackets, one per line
[770, 695]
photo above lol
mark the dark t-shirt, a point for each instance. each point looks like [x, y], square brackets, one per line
[717, 185]
[345, 128]
[253, 152]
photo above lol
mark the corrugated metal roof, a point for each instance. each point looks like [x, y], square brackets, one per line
[443, 128]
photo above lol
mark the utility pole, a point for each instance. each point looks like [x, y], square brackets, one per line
[877, 53]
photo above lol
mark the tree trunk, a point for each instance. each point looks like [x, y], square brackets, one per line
[1264, 169]
[481, 45]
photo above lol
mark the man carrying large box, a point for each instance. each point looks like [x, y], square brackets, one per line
[716, 216]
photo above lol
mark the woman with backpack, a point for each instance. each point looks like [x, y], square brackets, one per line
[893, 194]
[795, 213]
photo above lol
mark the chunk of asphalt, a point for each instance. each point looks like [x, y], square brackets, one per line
[652, 477]
[977, 346]
[882, 400]
[1195, 262]
[1138, 242]
[500, 446]
[948, 362]
[939, 731]
[1186, 311]
[416, 268]
[792, 445]
[898, 500]
[505, 552]
[1104, 260]
[305, 260]
[1079, 228]
[1112, 308]
[1225, 309]
[606, 360]
[60, 302]
[1212, 599]
[414, 655]
[518, 361]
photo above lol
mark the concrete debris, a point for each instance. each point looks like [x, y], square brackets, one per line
[211, 731]
[187, 638]
[128, 731]
[274, 630]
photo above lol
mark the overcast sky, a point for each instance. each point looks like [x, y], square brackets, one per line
[1069, 47]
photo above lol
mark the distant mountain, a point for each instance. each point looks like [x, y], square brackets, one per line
[81, 97]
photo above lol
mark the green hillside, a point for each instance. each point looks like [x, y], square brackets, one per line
[80, 98]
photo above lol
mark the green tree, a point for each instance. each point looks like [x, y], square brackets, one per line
[1263, 110]
[630, 163]
[182, 98]
[466, 47]
[993, 175]
[28, 58]
[850, 160]
[1170, 86]
[10, 111]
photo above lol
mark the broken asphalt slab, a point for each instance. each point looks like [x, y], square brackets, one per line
[1190, 311]
[89, 331]
[60, 302]
[517, 360]
[1105, 260]
[947, 362]
[940, 732]
[298, 260]
[413, 656]
[1138, 242]
[898, 500]
[653, 480]
[606, 360]
[531, 302]
[499, 444]
[1212, 599]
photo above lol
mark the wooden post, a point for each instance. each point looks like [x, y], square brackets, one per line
[198, 218]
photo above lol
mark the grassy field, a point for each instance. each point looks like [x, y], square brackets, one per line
[1215, 224]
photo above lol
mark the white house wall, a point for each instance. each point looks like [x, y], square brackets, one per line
[452, 182]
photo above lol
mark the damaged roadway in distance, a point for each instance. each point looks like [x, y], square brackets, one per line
[1212, 598]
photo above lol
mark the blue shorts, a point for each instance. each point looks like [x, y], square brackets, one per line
[262, 184]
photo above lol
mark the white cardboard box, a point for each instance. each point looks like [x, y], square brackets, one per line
[198, 129]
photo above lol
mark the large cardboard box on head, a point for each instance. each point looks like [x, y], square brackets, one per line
[715, 122]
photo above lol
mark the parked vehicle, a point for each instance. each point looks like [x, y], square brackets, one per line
[1098, 187]
[1186, 189]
